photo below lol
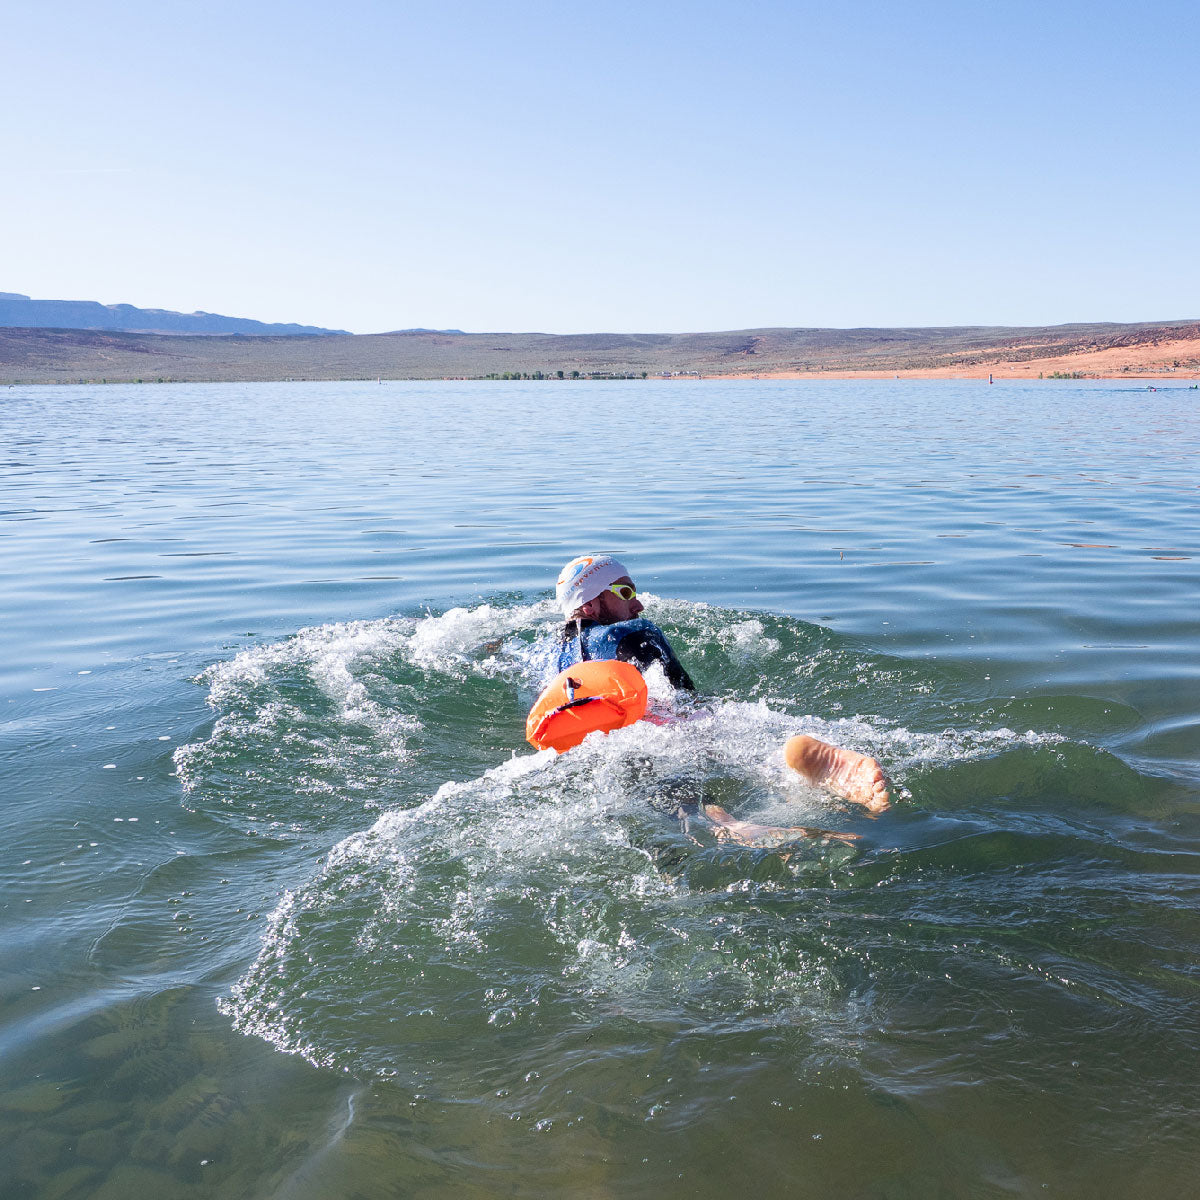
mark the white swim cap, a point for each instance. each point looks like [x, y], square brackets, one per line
[584, 578]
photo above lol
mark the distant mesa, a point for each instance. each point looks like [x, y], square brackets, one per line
[21, 312]
[397, 332]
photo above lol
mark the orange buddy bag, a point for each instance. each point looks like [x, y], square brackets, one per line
[602, 695]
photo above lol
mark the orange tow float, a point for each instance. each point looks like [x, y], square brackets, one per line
[603, 695]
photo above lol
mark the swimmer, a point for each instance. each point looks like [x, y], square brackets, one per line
[599, 600]
[602, 609]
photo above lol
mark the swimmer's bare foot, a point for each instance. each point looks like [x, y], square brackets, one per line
[747, 833]
[854, 776]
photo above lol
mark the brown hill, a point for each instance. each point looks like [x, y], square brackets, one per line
[73, 355]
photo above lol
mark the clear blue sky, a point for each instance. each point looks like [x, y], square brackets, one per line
[652, 166]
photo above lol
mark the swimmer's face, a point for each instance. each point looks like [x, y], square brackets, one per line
[608, 608]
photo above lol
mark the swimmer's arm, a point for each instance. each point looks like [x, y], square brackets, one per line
[642, 649]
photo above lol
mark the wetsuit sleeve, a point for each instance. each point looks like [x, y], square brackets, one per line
[645, 646]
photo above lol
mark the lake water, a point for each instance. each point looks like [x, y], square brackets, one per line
[291, 910]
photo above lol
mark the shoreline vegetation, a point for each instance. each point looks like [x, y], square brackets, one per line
[1168, 350]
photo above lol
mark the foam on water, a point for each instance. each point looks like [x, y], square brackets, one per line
[449, 643]
[545, 890]
[536, 895]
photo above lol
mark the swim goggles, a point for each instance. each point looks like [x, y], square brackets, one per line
[625, 590]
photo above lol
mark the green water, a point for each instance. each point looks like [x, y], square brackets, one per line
[291, 910]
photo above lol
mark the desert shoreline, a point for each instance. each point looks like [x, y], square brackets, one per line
[1148, 352]
[1123, 362]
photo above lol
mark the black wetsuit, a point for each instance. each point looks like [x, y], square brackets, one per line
[639, 641]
